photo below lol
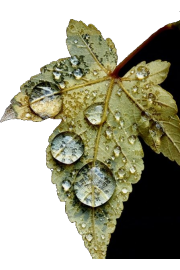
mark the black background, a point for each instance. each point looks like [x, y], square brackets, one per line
[33, 221]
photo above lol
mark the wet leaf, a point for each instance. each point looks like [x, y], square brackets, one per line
[95, 154]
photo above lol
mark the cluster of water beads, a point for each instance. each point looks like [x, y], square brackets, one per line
[142, 72]
[67, 147]
[45, 100]
[94, 184]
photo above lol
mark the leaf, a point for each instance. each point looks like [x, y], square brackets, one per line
[95, 154]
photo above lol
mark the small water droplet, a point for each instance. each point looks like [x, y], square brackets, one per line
[66, 185]
[113, 157]
[132, 139]
[102, 236]
[83, 225]
[109, 133]
[94, 94]
[132, 71]
[57, 75]
[95, 73]
[78, 74]
[142, 72]
[151, 97]
[94, 113]
[122, 123]
[89, 237]
[158, 126]
[117, 116]
[62, 85]
[74, 61]
[124, 191]
[122, 139]
[28, 115]
[135, 89]
[132, 169]
[119, 92]
[117, 151]
[147, 86]
[134, 127]
[121, 173]
[107, 147]
[152, 133]
[75, 41]
[124, 160]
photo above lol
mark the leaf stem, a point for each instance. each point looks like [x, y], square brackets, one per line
[168, 26]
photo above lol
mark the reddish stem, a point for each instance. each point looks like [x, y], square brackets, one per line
[115, 73]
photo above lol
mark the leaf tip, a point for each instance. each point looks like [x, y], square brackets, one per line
[8, 114]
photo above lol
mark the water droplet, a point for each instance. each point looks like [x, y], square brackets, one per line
[117, 151]
[152, 133]
[132, 139]
[134, 127]
[45, 100]
[86, 36]
[122, 123]
[66, 185]
[145, 116]
[117, 116]
[94, 113]
[132, 169]
[122, 139]
[119, 92]
[135, 89]
[102, 236]
[28, 115]
[75, 41]
[109, 133]
[62, 85]
[151, 97]
[147, 86]
[121, 173]
[95, 73]
[74, 61]
[113, 157]
[78, 74]
[132, 71]
[83, 225]
[94, 184]
[67, 147]
[57, 75]
[158, 126]
[124, 160]
[107, 147]
[94, 94]
[142, 72]
[124, 191]
[89, 237]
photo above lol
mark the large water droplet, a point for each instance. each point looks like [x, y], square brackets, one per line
[132, 139]
[66, 185]
[89, 237]
[67, 147]
[94, 184]
[45, 100]
[142, 72]
[74, 61]
[78, 74]
[94, 113]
